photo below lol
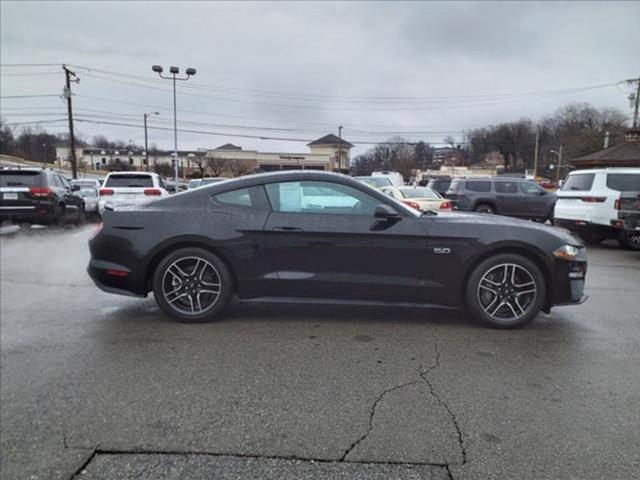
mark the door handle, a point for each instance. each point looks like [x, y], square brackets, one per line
[286, 229]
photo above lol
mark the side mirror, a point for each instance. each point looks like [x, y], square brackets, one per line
[75, 188]
[385, 212]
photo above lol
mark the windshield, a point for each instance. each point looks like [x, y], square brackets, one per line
[130, 181]
[419, 193]
[376, 182]
[19, 178]
[88, 192]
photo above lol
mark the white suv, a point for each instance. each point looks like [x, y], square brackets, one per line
[127, 188]
[589, 201]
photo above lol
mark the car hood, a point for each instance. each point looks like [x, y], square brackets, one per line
[480, 219]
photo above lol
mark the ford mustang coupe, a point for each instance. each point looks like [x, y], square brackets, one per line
[305, 236]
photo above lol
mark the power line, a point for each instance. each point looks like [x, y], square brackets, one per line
[10, 97]
[13, 65]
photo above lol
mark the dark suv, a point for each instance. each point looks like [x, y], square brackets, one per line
[515, 197]
[35, 195]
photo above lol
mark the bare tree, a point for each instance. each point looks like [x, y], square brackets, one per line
[216, 166]
[239, 168]
[201, 163]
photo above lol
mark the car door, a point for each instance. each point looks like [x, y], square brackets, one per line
[324, 241]
[73, 202]
[507, 197]
[534, 200]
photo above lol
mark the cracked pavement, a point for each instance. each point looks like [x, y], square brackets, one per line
[96, 386]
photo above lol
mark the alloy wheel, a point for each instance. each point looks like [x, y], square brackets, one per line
[191, 285]
[633, 239]
[507, 292]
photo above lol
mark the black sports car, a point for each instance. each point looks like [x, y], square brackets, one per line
[318, 237]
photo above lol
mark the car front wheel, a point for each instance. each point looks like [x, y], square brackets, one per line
[505, 291]
[192, 285]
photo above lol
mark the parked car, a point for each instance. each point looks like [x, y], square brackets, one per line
[588, 202]
[212, 180]
[36, 195]
[375, 182]
[420, 198]
[440, 185]
[266, 236]
[127, 188]
[629, 215]
[194, 183]
[395, 177]
[515, 197]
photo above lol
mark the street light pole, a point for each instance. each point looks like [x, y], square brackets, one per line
[340, 149]
[174, 72]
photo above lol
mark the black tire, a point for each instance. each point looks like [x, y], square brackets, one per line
[189, 290]
[484, 208]
[629, 239]
[59, 216]
[520, 307]
[591, 238]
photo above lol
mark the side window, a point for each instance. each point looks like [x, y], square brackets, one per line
[57, 181]
[506, 187]
[319, 197]
[252, 197]
[479, 186]
[530, 188]
[581, 182]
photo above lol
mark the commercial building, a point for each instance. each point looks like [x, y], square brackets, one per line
[326, 153]
[625, 154]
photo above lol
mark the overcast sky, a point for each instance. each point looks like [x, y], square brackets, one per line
[304, 68]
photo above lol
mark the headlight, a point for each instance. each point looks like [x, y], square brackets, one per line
[566, 252]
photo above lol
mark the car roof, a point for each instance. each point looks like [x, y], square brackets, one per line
[133, 172]
[607, 170]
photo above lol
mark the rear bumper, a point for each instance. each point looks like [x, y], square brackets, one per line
[26, 213]
[114, 278]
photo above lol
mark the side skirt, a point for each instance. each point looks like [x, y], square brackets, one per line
[340, 301]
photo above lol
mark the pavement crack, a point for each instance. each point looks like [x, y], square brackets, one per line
[372, 413]
[454, 419]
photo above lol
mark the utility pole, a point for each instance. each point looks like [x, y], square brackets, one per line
[635, 110]
[559, 164]
[535, 155]
[146, 144]
[72, 142]
[146, 140]
[339, 148]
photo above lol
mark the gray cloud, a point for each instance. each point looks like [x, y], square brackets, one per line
[430, 49]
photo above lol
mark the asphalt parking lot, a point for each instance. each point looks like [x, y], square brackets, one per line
[96, 386]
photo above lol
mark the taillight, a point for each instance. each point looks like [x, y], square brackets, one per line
[40, 191]
[445, 206]
[116, 273]
[105, 191]
[412, 204]
[152, 191]
[616, 204]
[594, 199]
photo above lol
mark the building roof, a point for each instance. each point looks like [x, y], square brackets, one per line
[228, 146]
[626, 153]
[332, 140]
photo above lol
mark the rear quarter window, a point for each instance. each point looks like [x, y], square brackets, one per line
[624, 182]
[251, 197]
[130, 181]
[580, 182]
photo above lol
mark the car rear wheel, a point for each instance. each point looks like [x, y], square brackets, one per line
[192, 285]
[484, 208]
[505, 291]
[629, 239]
